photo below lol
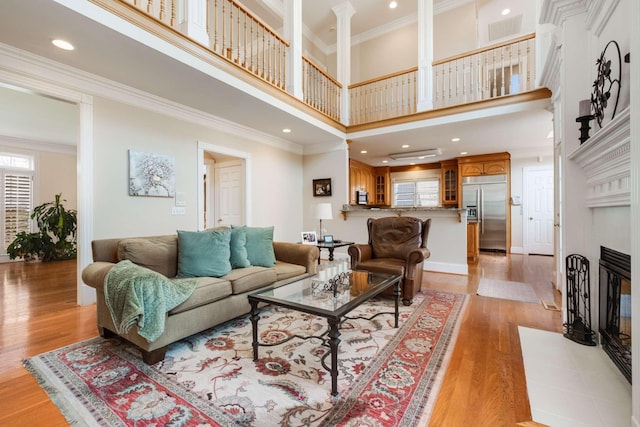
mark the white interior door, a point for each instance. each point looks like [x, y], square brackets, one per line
[229, 194]
[539, 211]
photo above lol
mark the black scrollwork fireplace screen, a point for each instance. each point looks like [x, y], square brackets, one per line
[578, 326]
[615, 307]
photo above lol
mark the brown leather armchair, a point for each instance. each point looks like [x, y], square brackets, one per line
[396, 245]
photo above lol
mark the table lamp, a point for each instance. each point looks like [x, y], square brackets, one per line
[322, 211]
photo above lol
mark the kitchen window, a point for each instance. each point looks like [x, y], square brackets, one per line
[422, 192]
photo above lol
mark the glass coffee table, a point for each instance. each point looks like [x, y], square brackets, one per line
[331, 300]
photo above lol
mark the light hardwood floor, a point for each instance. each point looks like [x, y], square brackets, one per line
[484, 385]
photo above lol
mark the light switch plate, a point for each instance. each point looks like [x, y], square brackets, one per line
[176, 210]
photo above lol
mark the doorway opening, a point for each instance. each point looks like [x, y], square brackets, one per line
[224, 191]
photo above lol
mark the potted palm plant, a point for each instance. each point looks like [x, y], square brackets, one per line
[56, 238]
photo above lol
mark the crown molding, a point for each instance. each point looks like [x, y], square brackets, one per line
[557, 11]
[33, 145]
[24, 63]
[550, 76]
[598, 14]
[378, 31]
[606, 161]
[447, 5]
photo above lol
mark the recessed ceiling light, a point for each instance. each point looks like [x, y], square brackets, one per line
[385, 161]
[506, 12]
[405, 146]
[363, 152]
[455, 139]
[286, 130]
[412, 163]
[462, 153]
[393, 5]
[62, 44]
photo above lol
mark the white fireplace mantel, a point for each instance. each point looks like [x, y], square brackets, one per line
[606, 160]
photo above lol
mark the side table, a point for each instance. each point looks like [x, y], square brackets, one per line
[331, 246]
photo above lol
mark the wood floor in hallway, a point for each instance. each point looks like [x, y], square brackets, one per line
[484, 385]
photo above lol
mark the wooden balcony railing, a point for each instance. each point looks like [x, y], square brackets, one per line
[492, 72]
[247, 41]
[321, 91]
[162, 10]
[384, 97]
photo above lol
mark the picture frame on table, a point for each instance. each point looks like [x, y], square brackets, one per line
[321, 187]
[309, 238]
[328, 238]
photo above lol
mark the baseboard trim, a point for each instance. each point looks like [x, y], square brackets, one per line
[445, 267]
[517, 250]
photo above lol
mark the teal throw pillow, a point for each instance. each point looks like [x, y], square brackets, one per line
[204, 253]
[239, 257]
[260, 246]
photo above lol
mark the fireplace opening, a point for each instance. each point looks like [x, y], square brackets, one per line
[615, 307]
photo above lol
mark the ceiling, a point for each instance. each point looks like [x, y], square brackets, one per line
[31, 25]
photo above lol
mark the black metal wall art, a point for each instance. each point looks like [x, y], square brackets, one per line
[606, 87]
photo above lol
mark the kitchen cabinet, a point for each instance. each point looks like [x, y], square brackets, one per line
[383, 191]
[449, 183]
[473, 242]
[492, 167]
[361, 178]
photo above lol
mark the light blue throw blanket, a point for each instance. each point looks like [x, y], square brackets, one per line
[136, 295]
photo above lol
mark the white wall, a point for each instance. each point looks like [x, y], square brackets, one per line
[334, 165]
[274, 177]
[57, 174]
[398, 51]
[455, 31]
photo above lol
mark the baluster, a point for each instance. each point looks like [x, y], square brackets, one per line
[231, 43]
[150, 7]
[494, 91]
[262, 50]
[529, 62]
[236, 58]
[478, 94]
[172, 21]
[162, 11]
[251, 54]
[502, 67]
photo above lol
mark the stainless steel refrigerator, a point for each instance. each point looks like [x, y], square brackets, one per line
[485, 198]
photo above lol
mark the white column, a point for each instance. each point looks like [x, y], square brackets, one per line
[635, 204]
[192, 20]
[425, 55]
[293, 33]
[85, 294]
[344, 12]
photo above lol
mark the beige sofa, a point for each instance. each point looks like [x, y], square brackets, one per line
[214, 301]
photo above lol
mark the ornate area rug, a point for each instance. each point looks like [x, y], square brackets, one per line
[505, 289]
[387, 376]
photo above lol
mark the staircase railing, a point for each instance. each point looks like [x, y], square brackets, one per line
[491, 72]
[321, 91]
[392, 95]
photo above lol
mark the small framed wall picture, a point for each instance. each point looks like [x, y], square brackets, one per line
[322, 187]
[309, 238]
[328, 238]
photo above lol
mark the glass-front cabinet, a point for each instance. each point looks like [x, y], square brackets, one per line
[449, 180]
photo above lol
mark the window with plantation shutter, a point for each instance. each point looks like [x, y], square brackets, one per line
[16, 187]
